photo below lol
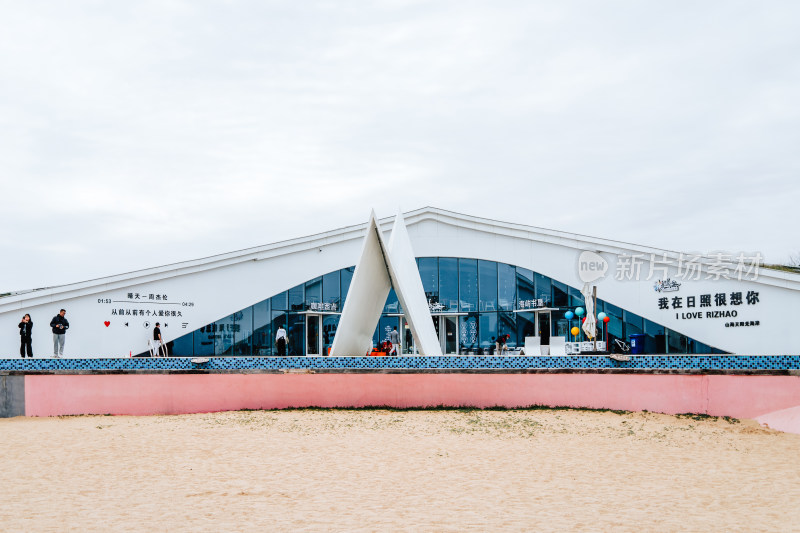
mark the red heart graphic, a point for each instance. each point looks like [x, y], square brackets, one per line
[107, 323]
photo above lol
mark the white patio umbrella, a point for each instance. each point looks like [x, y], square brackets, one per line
[590, 324]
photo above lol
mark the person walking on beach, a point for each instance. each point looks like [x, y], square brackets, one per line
[280, 340]
[60, 326]
[394, 338]
[25, 329]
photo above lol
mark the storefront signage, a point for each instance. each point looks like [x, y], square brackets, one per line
[323, 306]
[531, 304]
[726, 305]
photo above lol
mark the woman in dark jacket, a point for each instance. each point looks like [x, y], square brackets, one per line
[25, 330]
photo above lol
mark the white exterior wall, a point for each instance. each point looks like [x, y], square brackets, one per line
[221, 285]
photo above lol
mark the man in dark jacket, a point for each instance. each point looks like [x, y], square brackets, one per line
[60, 326]
[25, 329]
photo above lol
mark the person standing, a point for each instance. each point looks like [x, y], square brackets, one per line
[25, 329]
[280, 340]
[60, 326]
[158, 341]
[394, 338]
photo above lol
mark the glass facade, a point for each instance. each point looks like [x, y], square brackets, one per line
[473, 301]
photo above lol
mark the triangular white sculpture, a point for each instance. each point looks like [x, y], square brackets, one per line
[378, 268]
[408, 286]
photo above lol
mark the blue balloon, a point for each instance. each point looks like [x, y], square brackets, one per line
[579, 311]
[569, 315]
[601, 316]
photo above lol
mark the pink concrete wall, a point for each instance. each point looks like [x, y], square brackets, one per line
[144, 394]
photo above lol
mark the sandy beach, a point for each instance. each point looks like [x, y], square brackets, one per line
[379, 470]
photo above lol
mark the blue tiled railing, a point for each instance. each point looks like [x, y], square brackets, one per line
[685, 362]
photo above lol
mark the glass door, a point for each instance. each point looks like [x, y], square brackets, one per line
[450, 334]
[543, 327]
[313, 337]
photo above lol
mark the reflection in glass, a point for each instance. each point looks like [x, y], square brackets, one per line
[543, 289]
[429, 274]
[262, 333]
[296, 298]
[487, 331]
[346, 278]
[280, 302]
[560, 298]
[330, 288]
[468, 333]
[468, 284]
[329, 325]
[448, 283]
[242, 331]
[525, 287]
[506, 325]
[313, 292]
[487, 288]
[296, 334]
[526, 326]
[507, 287]
[183, 346]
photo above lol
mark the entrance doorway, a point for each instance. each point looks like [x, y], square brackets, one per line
[543, 327]
[313, 334]
[447, 329]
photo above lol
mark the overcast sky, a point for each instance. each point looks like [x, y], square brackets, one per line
[136, 134]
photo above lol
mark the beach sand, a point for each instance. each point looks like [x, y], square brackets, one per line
[380, 470]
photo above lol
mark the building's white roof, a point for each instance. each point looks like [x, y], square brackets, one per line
[570, 240]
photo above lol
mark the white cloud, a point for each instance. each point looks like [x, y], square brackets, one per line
[198, 128]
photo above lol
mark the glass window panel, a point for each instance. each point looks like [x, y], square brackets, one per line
[329, 325]
[429, 274]
[297, 334]
[507, 325]
[560, 297]
[468, 332]
[633, 324]
[576, 299]
[392, 305]
[330, 288]
[525, 287]
[526, 327]
[507, 287]
[616, 324]
[242, 331]
[655, 340]
[543, 288]
[346, 278]
[487, 288]
[280, 302]
[468, 284]
[487, 331]
[385, 326]
[676, 343]
[183, 346]
[204, 340]
[262, 332]
[561, 326]
[223, 342]
[279, 319]
[313, 292]
[448, 283]
[296, 298]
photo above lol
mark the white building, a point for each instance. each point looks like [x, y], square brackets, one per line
[482, 278]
